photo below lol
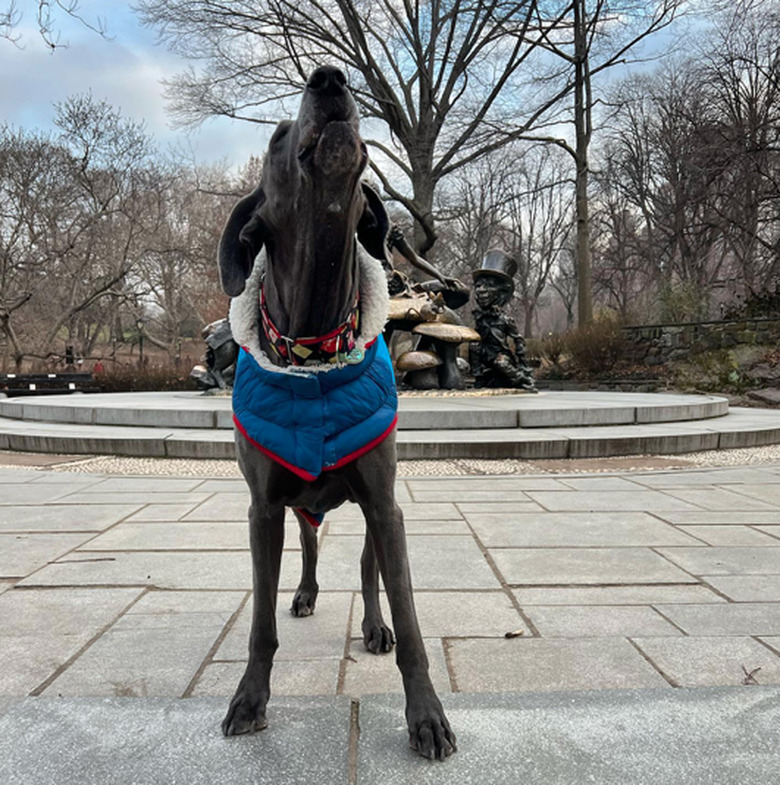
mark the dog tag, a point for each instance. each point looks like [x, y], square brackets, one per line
[352, 358]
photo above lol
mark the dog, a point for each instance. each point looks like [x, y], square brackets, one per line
[302, 257]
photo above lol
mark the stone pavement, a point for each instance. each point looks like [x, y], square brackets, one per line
[138, 587]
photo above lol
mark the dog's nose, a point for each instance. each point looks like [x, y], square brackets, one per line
[327, 80]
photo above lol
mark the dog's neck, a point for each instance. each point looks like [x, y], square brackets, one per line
[312, 274]
[248, 331]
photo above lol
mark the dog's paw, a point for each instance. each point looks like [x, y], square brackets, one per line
[378, 638]
[303, 603]
[430, 734]
[245, 715]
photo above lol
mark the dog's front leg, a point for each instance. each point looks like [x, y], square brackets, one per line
[372, 478]
[266, 535]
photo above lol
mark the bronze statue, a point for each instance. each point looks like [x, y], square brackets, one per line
[427, 310]
[499, 359]
[217, 366]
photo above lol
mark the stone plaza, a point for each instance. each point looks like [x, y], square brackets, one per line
[643, 608]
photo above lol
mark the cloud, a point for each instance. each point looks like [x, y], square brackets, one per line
[126, 70]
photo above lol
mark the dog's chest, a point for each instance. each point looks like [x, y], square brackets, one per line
[311, 423]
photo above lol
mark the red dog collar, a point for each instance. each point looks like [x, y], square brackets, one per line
[337, 346]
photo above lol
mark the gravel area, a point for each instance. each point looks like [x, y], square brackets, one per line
[109, 464]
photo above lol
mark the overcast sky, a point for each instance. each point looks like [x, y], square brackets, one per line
[126, 70]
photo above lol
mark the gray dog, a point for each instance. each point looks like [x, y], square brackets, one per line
[289, 258]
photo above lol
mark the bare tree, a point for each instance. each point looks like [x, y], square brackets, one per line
[73, 225]
[740, 77]
[47, 13]
[444, 77]
[599, 34]
[521, 201]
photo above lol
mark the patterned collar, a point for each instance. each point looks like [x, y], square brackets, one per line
[337, 346]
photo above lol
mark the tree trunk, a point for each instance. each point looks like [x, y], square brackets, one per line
[582, 125]
[424, 231]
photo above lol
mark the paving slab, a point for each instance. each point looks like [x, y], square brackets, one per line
[504, 508]
[63, 517]
[544, 665]
[413, 526]
[78, 480]
[708, 661]
[534, 483]
[555, 621]
[16, 476]
[750, 560]
[40, 630]
[648, 737]
[721, 476]
[575, 529]
[26, 493]
[716, 518]
[772, 531]
[721, 499]
[133, 497]
[567, 566]
[155, 649]
[485, 494]
[184, 570]
[321, 636]
[730, 536]
[578, 501]
[598, 484]
[373, 674]
[431, 560]
[223, 535]
[727, 619]
[21, 554]
[288, 677]
[769, 493]
[163, 512]
[456, 614]
[616, 595]
[747, 588]
[158, 741]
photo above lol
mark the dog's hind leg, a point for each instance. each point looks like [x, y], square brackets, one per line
[377, 636]
[372, 480]
[266, 535]
[306, 595]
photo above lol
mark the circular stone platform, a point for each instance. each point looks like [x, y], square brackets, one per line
[462, 425]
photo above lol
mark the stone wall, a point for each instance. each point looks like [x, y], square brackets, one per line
[657, 344]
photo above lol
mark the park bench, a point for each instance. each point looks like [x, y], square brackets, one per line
[17, 384]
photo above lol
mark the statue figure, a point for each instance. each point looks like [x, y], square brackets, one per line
[221, 355]
[427, 310]
[499, 359]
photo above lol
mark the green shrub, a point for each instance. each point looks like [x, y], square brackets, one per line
[596, 348]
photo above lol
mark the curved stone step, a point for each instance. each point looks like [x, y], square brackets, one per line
[739, 428]
[416, 412]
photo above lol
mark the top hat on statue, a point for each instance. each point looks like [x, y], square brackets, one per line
[497, 264]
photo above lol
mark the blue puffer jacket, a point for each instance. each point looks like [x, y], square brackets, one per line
[312, 422]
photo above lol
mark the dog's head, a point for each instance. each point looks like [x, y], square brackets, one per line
[311, 174]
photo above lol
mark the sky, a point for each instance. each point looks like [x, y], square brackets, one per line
[125, 69]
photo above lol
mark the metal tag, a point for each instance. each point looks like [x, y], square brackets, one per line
[352, 358]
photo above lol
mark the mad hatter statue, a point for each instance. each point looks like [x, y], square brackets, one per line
[499, 359]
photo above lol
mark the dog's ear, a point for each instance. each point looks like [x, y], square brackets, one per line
[241, 241]
[373, 225]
